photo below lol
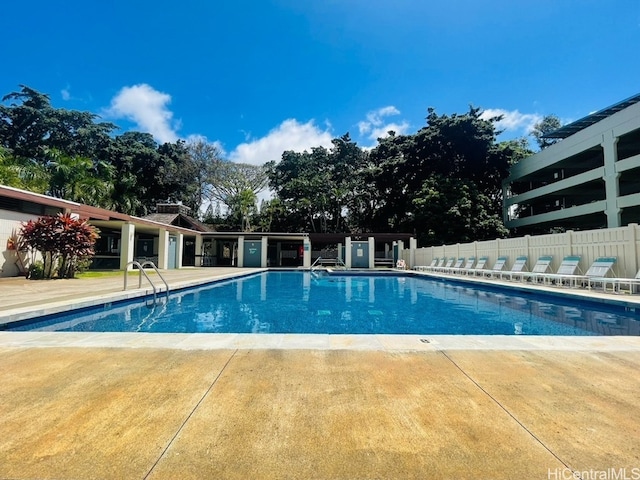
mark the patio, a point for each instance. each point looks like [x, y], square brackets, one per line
[449, 408]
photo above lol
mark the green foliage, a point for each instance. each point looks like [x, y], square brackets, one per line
[320, 186]
[442, 183]
[70, 154]
[36, 271]
[64, 243]
[548, 124]
[236, 185]
[451, 211]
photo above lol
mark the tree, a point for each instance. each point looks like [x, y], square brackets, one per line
[135, 157]
[30, 123]
[451, 211]
[63, 242]
[323, 185]
[407, 170]
[236, 185]
[79, 179]
[548, 124]
[207, 159]
[243, 205]
[10, 171]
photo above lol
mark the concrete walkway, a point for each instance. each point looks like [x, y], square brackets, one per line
[428, 409]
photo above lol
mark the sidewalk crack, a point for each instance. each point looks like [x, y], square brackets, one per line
[173, 438]
[508, 412]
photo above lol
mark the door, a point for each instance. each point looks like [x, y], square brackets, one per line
[360, 254]
[173, 252]
[253, 253]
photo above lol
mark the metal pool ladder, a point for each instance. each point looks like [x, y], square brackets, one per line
[320, 263]
[141, 271]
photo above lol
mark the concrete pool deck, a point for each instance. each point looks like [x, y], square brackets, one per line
[77, 405]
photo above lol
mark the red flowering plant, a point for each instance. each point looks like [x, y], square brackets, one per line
[63, 241]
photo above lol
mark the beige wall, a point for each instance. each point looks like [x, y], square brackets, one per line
[622, 242]
[10, 222]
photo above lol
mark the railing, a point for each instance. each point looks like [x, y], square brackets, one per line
[320, 262]
[141, 271]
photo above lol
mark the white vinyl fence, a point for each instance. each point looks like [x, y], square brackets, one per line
[622, 243]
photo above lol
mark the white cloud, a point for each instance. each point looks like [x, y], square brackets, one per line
[289, 135]
[374, 126]
[512, 121]
[147, 108]
[65, 93]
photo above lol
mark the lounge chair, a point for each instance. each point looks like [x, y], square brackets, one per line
[479, 268]
[422, 268]
[456, 266]
[441, 264]
[617, 282]
[519, 266]
[447, 264]
[434, 263]
[599, 272]
[468, 265]
[599, 269]
[568, 270]
[498, 267]
[542, 267]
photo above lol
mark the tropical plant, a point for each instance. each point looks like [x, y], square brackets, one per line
[63, 242]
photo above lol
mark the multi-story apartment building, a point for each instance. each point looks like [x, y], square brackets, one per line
[589, 179]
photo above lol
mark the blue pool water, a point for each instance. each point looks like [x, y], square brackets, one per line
[304, 302]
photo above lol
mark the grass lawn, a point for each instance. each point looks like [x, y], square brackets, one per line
[109, 273]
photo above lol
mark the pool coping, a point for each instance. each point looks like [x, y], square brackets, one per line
[206, 341]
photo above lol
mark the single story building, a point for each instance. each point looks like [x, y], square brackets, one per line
[170, 238]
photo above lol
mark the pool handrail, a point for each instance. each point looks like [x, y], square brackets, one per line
[141, 272]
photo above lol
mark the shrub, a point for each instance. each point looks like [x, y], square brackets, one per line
[63, 241]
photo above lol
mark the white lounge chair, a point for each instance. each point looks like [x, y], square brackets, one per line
[498, 267]
[468, 265]
[456, 266]
[422, 268]
[569, 269]
[599, 272]
[479, 268]
[599, 269]
[617, 283]
[519, 266]
[542, 267]
[441, 263]
[447, 264]
[434, 263]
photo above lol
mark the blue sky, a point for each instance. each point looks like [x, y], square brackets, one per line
[260, 77]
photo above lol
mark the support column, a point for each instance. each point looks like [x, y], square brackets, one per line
[127, 244]
[372, 252]
[306, 257]
[240, 252]
[179, 250]
[163, 249]
[611, 177]
[413, 248]
[347, 252]
[263, 252]
[199, 251]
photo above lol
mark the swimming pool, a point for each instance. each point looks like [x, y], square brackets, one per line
[309, 302]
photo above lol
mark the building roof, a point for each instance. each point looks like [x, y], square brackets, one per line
[179, 220]
[575, 127]
[83, 211]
